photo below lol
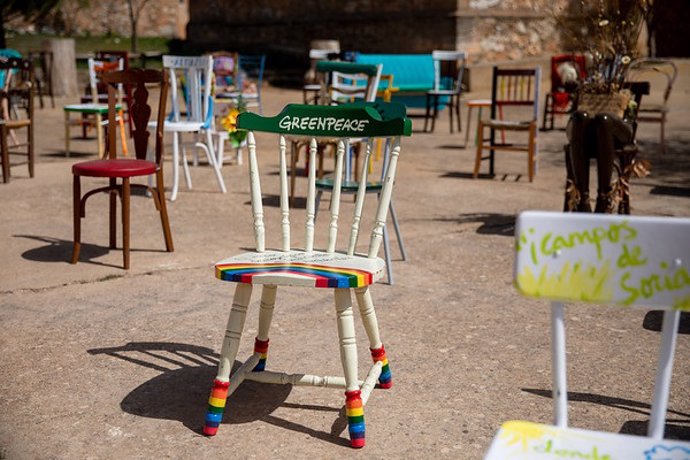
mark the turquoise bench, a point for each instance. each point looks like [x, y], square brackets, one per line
[413, 75]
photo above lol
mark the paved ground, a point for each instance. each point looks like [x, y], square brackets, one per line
[97, 362]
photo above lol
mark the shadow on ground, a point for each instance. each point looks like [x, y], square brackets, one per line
[182, 389]
[674, 428]
[491, 223]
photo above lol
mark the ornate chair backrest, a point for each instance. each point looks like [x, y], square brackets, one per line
[19, 83]
[515, 87]
[140, 110]
[449, 67]
[646, 68]
[339, 124]
[197, 72]
[98, 68]
[605, 259]
[347, 81]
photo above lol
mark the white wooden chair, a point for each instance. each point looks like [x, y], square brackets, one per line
[449, 67]
[95, 109]
[602, 259]
[342, 271]
[197, 72]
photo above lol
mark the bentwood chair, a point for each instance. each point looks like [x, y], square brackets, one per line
[197, 101]
[655, 108]
[640, 262]
[449, 67]
[515, 89]
[114, 168]
[17, 102]
[91, 113]
[344, 271]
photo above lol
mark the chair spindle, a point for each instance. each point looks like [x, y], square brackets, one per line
[257, 205]
[359, 203]
[311, 198]
[284, 197]
[335, 198]
[384, 201]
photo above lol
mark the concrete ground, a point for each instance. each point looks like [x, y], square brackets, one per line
[98, 362]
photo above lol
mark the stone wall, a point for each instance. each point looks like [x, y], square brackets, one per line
[488, 29]
[158, 18]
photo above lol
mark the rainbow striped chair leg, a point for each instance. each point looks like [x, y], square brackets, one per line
[222, 385]
[354, 406]
[371, 326]
[268, 301]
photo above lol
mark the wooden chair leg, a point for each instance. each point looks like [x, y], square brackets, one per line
[112, 218]
[76, 209]
[348, 355]
[428, 112]
[480, 146]
[99, 136]
[125, 221]
[66, 133]
[30, 152]
[371, 326]
[4, 152]
[267, 305]
[531, 149]
[163, 210]
[663, 137]
[467, 130]
[228, 353]
[123, 135]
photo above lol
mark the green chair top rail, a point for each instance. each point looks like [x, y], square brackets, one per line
[362, 119]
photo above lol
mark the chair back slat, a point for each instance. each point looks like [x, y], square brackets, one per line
[255, 190]
[311, 198]
[359, 201]
[335, 197]
[384, 201]
[140, 110]
[284, 197]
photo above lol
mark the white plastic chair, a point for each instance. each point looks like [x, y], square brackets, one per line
[197, 73]
[343, 271]
[601, 259]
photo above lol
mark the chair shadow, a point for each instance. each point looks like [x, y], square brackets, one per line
[273, 201]
[674, 428]
[72, 154]
[653, 320]
[492, 224]
[670, 191]
[57, 250]
[484, 176]
[181, 390]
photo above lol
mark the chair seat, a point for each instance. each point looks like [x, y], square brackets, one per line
[348, 186]
[508, 124]
[525, 440]
[114, 168]
[298, 268]
[479, 103]
[179, 126]
[89, 108]
[444, 92]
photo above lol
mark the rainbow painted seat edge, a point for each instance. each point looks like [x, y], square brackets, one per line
[298, 268]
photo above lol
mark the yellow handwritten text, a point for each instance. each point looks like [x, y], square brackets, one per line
[647, 286]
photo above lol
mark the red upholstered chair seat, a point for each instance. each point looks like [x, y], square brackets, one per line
[114, 168]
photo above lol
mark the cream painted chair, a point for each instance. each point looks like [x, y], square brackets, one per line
[197, 72]
[600, 259]
[343, 271]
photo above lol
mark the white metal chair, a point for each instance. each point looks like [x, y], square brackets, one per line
[601, 259]
[655, 106]
[96, 109]
[449, 67]
[342, 271]
[197, 73]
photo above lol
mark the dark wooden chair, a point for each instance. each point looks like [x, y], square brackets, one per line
[16, 97]
[511, 88]
[115, 168]
[449, 67]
